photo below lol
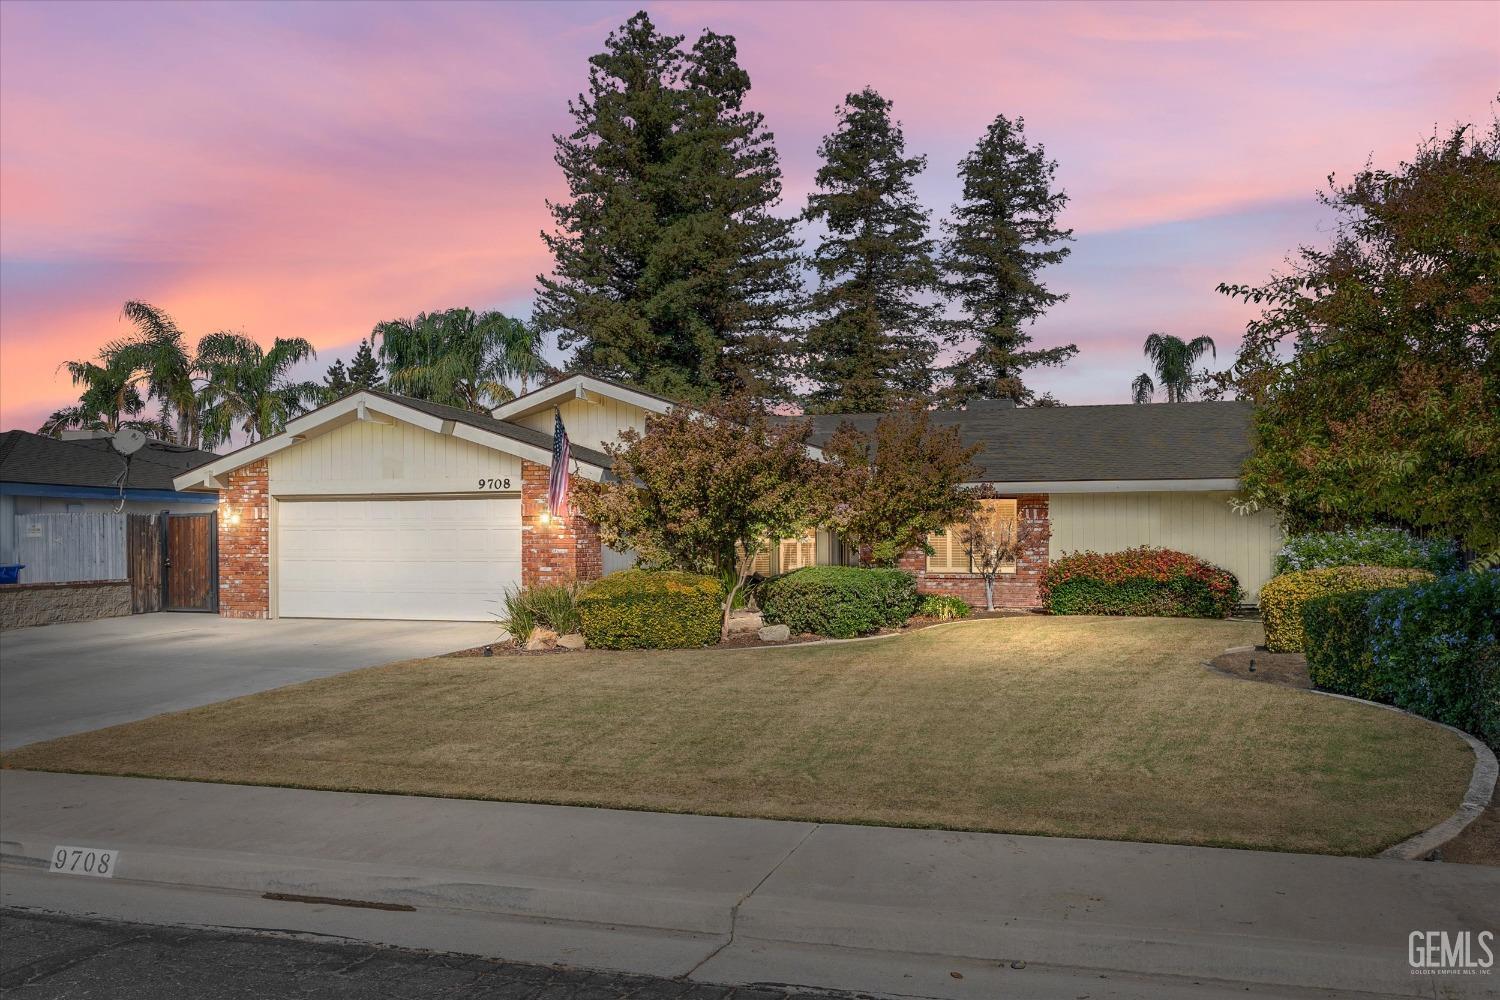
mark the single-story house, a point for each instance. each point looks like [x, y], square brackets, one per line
[80, 472]
[382, 506]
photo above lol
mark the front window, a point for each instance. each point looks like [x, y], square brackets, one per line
[950, 555]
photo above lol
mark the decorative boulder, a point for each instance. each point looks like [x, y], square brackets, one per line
[745, 621]
[573, 641]
[775, 633]
[540, 639]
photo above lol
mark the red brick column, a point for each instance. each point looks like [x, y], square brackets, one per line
[1012, 590]
[554, 549]
[245, 544]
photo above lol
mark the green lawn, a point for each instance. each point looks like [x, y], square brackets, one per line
[1085, 727]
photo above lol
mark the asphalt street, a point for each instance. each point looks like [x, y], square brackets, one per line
[49, 957]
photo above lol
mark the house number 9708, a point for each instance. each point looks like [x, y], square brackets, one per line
[494, 484]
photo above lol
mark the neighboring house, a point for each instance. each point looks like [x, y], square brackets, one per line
[81, 472]
[381, 506]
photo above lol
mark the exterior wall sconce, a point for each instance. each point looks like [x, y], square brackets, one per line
[231, 516]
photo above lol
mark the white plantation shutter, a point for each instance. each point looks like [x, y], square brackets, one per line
[798, 552]
[948, 552]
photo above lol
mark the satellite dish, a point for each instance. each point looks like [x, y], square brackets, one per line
[128, 440]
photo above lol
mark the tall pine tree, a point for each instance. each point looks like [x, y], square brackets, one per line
[364, 370]
[877, 321]
[1000, 237]
[668, 268]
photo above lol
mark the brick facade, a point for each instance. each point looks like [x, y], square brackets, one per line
[1012, 590]
[245, 544]
[554, 550]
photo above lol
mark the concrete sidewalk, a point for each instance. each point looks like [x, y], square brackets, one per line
[744, 901]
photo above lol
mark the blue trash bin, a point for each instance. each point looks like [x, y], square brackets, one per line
[11, 573]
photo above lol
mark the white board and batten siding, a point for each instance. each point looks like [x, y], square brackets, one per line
[590, 424]
[394, 521]
[1200, 524]
[365, 457]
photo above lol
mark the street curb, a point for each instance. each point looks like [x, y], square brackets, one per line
[1477, 797]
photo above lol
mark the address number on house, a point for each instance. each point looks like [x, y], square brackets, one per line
[84, 861]
[494, 484]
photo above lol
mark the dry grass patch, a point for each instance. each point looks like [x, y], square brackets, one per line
[1085, 727]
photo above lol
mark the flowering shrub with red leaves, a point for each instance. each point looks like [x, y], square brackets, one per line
[1141, 581]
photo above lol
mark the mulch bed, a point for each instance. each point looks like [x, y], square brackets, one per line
[740, 640]
[1260, 664]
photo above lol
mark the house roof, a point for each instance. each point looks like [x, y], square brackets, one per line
[478, 428]
[581, 387]
[1128, 442]
[39, 460]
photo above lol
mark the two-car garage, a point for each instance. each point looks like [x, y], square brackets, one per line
[416, 557]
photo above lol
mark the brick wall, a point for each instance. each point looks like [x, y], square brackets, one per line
[554, 550]
[1012, 590]
[245, 547]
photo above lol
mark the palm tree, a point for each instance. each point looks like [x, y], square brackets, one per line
[161, 361]
[459, 357]
[1173, 358]
[109, 401]
[247, 387]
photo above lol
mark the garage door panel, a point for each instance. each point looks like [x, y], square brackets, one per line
[423, 559]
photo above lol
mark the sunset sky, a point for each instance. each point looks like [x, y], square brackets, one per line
[309, 170]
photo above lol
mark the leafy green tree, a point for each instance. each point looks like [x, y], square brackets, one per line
[704, 490]
[669, 269]
[1373, 365]
[1173, 360]
[899, 483]
[1002, 234]
[457, 357]
[876, 323]
[248, 389]
[364, 370]
[109, 400]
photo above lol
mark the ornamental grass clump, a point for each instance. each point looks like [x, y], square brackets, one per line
[1367, 547]
[1142, 581]
[551, 605]
[1283, 598]
[943, 607]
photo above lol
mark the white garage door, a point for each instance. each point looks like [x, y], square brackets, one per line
[446, 560]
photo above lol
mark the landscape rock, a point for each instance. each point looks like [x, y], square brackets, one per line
[540, 639]
[775, 633]
[745, 621]
[572, 640]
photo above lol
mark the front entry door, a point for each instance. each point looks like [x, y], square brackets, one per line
[190, 580]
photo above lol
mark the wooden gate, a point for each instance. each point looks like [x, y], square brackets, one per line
[190, 564]
[143, 559]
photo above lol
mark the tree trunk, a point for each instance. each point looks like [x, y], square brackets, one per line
[989, 593]
[729, 608]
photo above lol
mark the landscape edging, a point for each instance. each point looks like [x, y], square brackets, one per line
[1480, 792]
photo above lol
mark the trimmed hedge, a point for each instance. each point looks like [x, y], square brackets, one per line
[1282, 599]
[640, 609]
[1432, 648]
[1367, 547]
[839, 601]
[1144, 581]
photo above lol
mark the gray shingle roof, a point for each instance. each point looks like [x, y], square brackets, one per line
[37, 460]
[1204, 440]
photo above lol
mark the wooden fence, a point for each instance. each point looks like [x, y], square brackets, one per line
[60, 548]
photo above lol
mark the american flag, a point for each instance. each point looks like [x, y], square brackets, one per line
[557, 487]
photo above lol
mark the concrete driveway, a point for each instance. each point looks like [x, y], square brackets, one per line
[62, 679]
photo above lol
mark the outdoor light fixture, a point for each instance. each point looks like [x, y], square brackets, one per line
[546, 517]
[231, 516]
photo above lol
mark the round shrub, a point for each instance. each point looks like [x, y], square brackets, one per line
[943, 607]
[1282, 599]
[839, 601]
[1366, 547]
[1142, 581]
[640, 609]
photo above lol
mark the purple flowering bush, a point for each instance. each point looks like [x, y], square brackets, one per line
[1432, 649]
